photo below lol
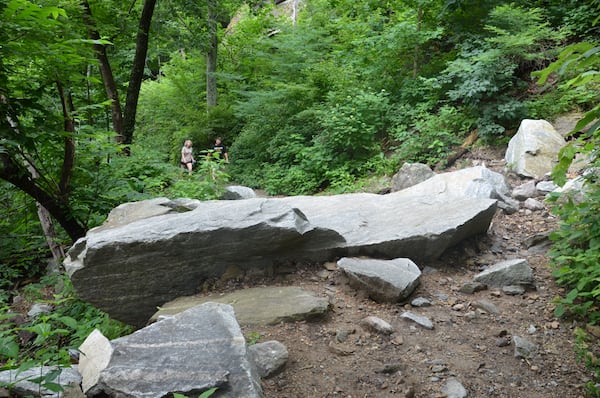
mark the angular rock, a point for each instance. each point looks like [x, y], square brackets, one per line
[574, 190]
[237, 192]
[131, 269]
[377, 325]
[472, 287]
[533, 151]
[533, 204]
[513, 290]
[420, 302]
[471, 182]
[546, 186]
[384, 280]
[95, 354]
[525, 191]
[418, 319]
[39, 309]
[524, 348]
[509, 272]
[257, 306]
[410, 174]
[453, 388]
[486, 306]
[26, 388]
[189, 353]
[268, 357]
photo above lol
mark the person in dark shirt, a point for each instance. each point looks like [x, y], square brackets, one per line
[220, 150]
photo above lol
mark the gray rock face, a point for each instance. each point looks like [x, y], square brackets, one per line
[128, 270]
[194, 351]
[237, 192]
[410, 174]
[384, 280]
[506, 273]
[525, 191]
[257, 306]
[533, 151]
[268, 357]
[26, 388]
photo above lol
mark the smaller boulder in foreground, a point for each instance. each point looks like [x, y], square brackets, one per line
[384, 280]
[507, 273]
[237, 192]
[410, 174]
[269, 357]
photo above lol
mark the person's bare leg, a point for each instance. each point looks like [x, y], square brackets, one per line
[189, 166]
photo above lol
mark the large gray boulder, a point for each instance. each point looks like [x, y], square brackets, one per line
[237, 192]
[129, 270]
[258, 306]
[411, 174]
[384, 280]
[533, 151]
[189, 353]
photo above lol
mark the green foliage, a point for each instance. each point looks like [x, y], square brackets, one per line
[205, 394]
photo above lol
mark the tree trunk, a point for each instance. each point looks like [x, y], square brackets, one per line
[106, 72]
[137, 71]
[211, 56]
[417, 47]
[64, 185]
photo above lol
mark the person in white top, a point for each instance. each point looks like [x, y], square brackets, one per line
[187, 158]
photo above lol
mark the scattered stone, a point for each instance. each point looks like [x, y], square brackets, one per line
[259, 305]
[525, 191]
[458, 307]
[237, 192]
[574, 190]
[454, 389]
[64, 377]
[330, 266]
[384, 280]
[339, 349]
[486, 306]
[420, 302]
[533, 150]
[503, 341]
[377, 325]
[192, 351]
[39, 309]
[531, 329]
[472, 287]
[391, 368]
[513, 290]
[269, 357]
[533, 204]
[509, 272]
[418, 319]
[524, 348]
[537, 239]
[398, 340]
[410, 174]
[546, 187]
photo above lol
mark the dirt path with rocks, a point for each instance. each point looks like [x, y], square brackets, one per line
[337, 357]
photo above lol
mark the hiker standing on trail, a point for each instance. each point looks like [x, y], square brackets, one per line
[187, 158]
[220, 150]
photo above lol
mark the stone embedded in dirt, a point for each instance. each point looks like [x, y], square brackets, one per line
[269, 357]
[505, 273]
[410, 174]
[418, 319]
[420, 302]
[340, 349]
[383, 280]
[191, 352]
[453, 388]
[524, 348]
[237, 192]
[537, 239]
[545, 187]
[377, 325]
[533, 151]
[472, 287]
[258, 306]
[39, 309]
[533, 204]
[525, 191]
[513, 290]
[486, 306]
[24, 387]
